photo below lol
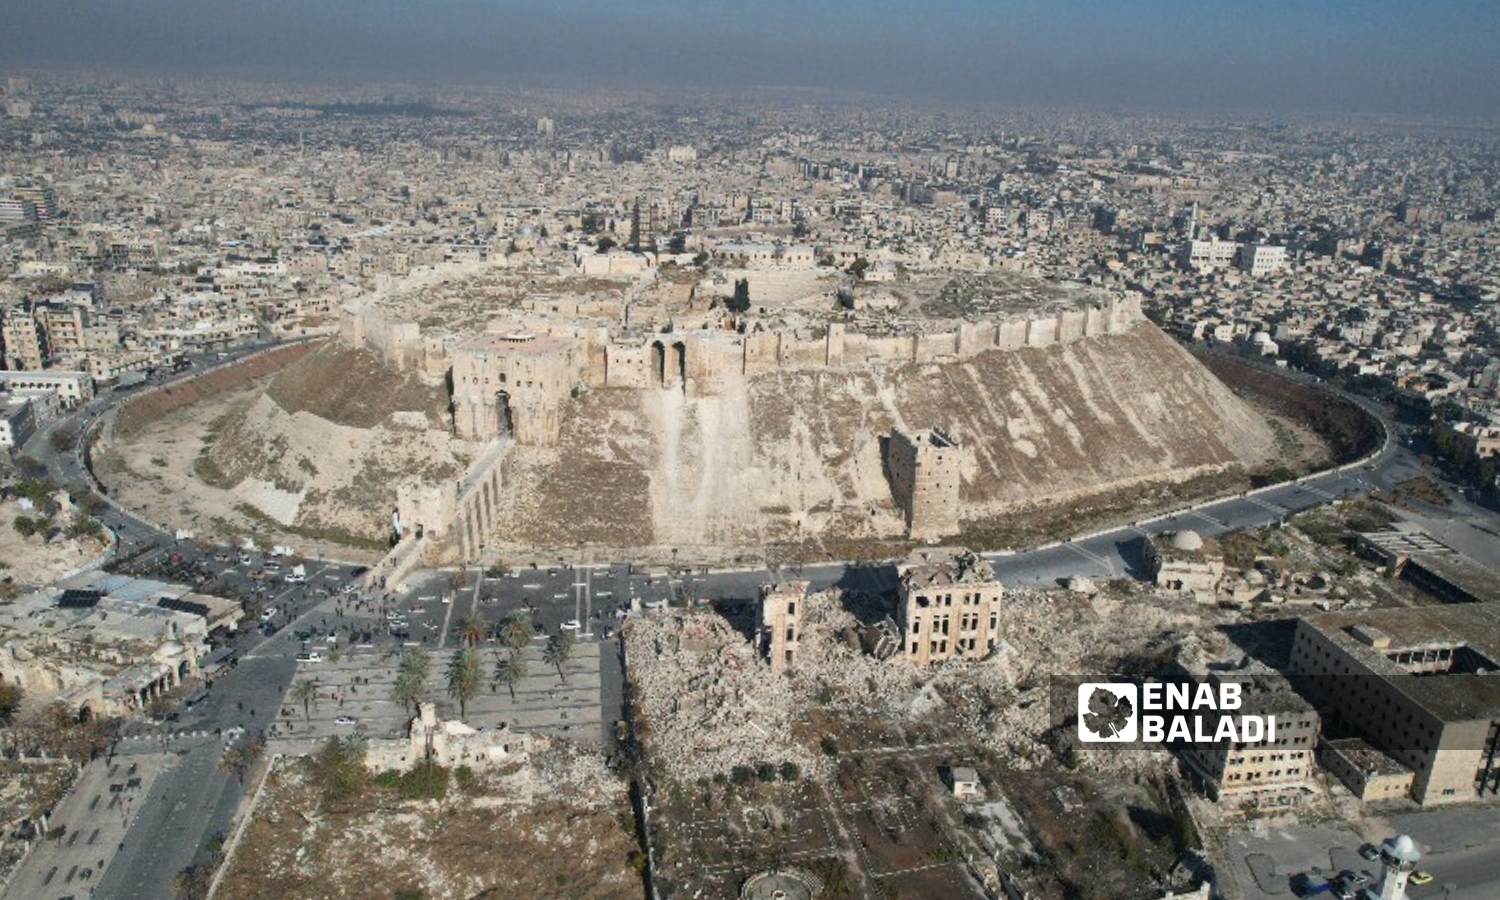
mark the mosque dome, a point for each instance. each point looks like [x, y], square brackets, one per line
[1187, 539]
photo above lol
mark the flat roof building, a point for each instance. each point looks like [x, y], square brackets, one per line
[1420, 684]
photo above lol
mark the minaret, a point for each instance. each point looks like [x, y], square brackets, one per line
[1398, 857]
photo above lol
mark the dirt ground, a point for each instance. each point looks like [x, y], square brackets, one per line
[153, 474]
[30, 561]
[496, 840]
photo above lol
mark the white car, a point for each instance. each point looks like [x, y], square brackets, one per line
[267, 614]
[294, 578]
[310, 657]
[346, 721]
[570, 625]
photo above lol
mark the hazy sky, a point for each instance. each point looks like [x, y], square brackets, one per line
[1411, 56]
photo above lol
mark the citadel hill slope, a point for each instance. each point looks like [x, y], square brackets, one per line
[791, 456]
[304, 445]
[797, 455]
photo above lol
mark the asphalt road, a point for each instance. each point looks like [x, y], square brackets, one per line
[191, 802]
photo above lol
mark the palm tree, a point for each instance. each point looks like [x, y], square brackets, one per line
[463, 678]
[416, 662]
[508, 671]
[408, 690]
[558, 651]
[473, 628]
[517, 632]
[306, 693]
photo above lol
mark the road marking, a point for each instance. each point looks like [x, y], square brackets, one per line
[1269, 506]
[1208, 518]
[1306, 486]
[1108, 565]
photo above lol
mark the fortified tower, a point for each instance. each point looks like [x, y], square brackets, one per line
[924, 468]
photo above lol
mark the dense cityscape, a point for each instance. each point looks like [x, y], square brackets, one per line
[420, 492]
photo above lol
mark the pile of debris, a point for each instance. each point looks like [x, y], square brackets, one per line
[706, 704]
[835, 670]
[1020, 698]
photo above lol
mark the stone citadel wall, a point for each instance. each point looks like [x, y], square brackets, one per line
[537, 360]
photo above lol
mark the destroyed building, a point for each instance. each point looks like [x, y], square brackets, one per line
[777, 622]
[445, 742]
[949, 605]
[1271, 771]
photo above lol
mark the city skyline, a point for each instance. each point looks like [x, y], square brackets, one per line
[1158, 56]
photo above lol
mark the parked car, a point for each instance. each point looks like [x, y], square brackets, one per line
[1420, 877]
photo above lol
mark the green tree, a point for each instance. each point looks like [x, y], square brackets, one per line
[473, 629]
[305, 692]
[408, 690]
[463, 678]
[11, 696]
[558, 651]
[509, 670]
[605, 244]
[517, 632]
[338, 769]
[412, 673]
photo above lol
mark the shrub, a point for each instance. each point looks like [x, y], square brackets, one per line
[467, 782]
[789, 771]
[741, 774]
[426, 781]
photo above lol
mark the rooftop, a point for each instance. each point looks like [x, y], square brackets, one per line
[1453, 696]
[945, 565]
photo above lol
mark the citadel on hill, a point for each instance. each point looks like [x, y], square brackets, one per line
[808, 415]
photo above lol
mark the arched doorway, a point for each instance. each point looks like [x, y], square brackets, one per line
[659, 363]
[679, 362]
[505, 422]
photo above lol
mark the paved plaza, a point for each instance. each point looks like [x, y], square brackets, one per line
[358, 687]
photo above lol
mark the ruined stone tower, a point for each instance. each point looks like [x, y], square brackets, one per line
[924, 468]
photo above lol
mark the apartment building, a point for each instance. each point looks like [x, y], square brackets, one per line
[1269, 772]
[1420, 684]
[25, 342]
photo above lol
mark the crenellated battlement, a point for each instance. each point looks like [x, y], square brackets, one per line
[511, 380]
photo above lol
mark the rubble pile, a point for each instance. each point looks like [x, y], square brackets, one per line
[833, 670]
[1052, 640]
[706, 703]
[563, 768]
